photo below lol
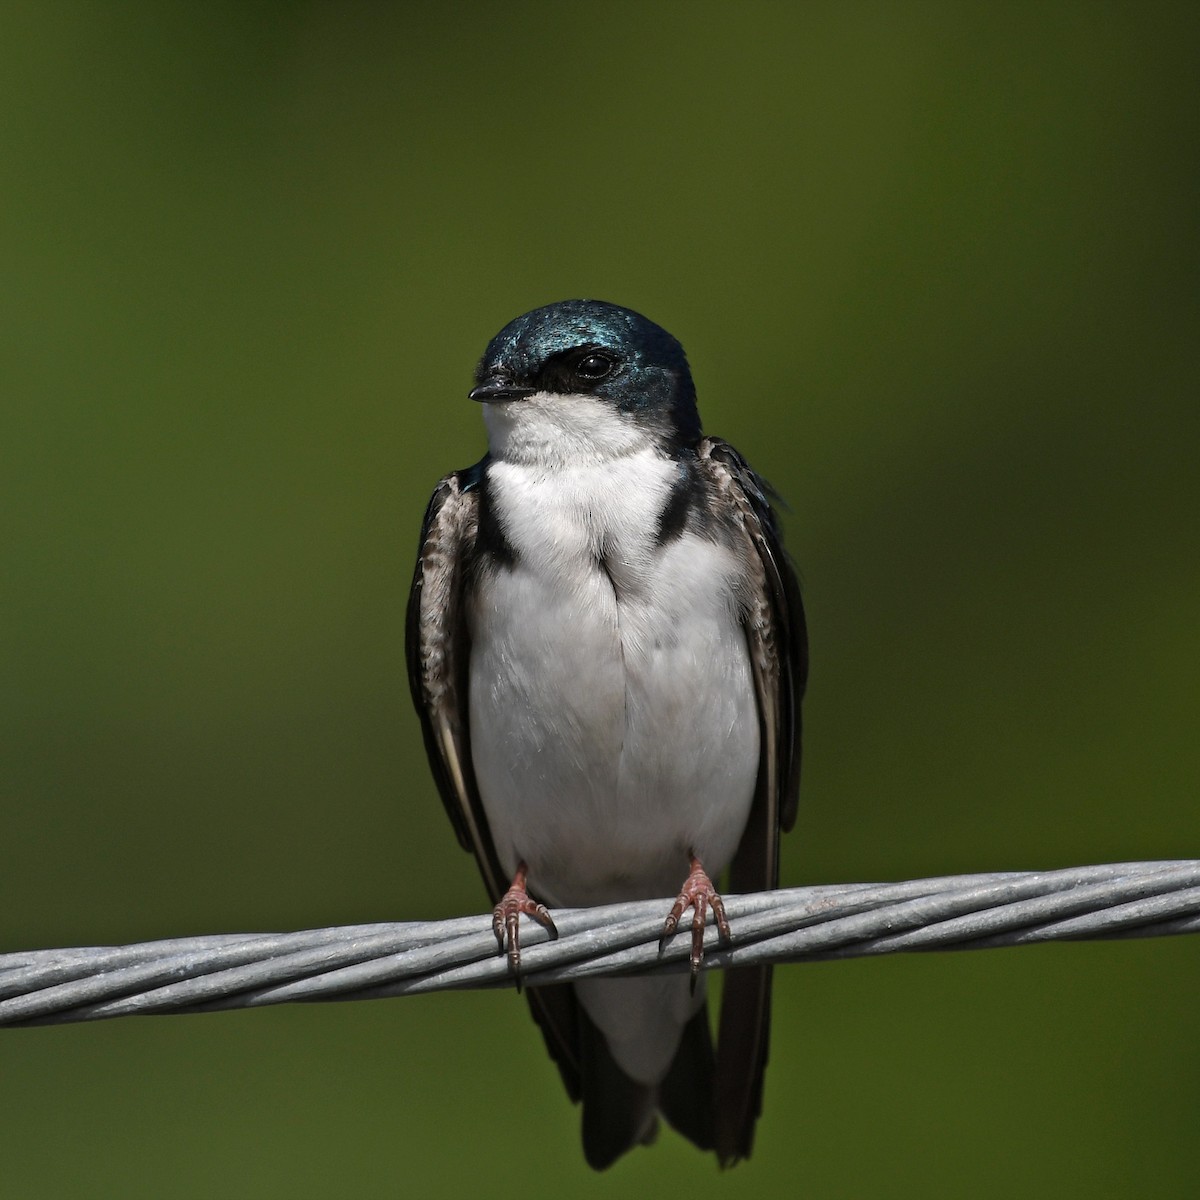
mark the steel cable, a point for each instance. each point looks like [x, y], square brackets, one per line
[361, 962]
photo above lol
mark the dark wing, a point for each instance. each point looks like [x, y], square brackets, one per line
[438, 649]
[778, 644]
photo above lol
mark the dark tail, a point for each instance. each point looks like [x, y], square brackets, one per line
[620, 1113]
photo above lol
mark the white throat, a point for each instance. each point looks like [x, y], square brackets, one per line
[552, 430]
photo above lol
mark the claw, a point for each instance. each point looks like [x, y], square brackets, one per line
[699, 895]
[506, 919]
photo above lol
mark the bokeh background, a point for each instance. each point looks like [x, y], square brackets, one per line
[936, 268]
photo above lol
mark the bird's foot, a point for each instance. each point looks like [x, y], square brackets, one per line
[699, 895]
[506, 919]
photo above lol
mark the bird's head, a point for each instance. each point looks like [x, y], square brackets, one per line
[583, 381]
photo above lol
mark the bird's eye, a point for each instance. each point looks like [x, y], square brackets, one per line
[594, 367]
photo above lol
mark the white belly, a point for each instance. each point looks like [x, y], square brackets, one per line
[614, 727]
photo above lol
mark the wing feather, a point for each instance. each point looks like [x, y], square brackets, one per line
[777, 640]
[438, 650]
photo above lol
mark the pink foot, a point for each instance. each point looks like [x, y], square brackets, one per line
[698, 894]
[506, 917]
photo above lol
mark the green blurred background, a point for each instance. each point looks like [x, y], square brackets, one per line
[936, 268]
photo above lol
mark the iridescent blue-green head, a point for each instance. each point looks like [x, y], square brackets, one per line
[584, 375]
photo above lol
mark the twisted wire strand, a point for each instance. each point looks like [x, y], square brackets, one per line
[832, 921]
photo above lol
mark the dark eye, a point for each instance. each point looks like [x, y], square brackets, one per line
[594, 366]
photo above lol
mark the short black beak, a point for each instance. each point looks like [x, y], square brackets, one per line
[498, 388]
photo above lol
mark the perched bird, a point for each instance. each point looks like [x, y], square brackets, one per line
[607, 652]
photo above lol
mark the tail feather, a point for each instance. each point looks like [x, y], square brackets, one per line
[741, 1060]
[686, 1094]
[620, 1113]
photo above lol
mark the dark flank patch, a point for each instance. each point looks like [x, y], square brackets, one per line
[673, 519]
[492, 544]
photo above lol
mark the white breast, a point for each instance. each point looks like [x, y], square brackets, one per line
[614, 727]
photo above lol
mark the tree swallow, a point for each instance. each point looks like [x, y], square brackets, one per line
[607, 651]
